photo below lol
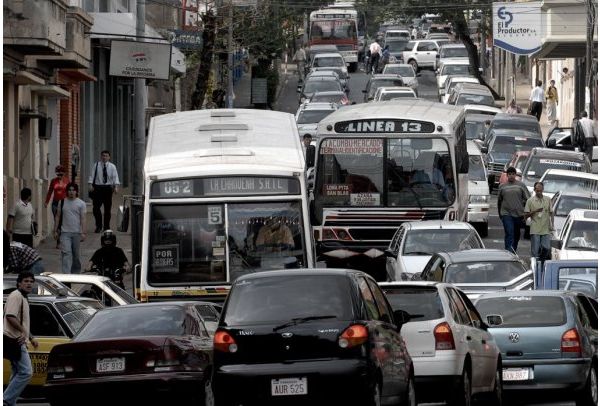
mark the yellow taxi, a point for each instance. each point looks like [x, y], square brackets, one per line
[54, 320]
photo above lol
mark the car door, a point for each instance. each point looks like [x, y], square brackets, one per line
[589, 321]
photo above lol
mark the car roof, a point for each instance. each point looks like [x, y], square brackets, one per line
[573, 174]
[453, 45]
[318, 106]
[395, 284]
[437, 224]
[329, 55]
[515, 132]
[329, 93]
[54, 299]
[514, 117]
[314, 77]
[467, 87]
[550, 152]
[395, 89]
[398, 64]
[480, 254]
[456, 61]
[538, 292]
[385, 76]
[591, 194]
[82, 277]
[299, 272]
[178, 303]
[481, 107]
[583, 215]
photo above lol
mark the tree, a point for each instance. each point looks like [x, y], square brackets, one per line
[206, 59]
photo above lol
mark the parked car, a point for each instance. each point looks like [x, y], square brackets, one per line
[542, 159]
[568, 181]
[564, 202]
[43, 286]
[548, 340]
[449, 344]
[479, 271]
[310, 335]
[409, 76]
[97, 287]
[420, 54]
[451, 51]
[479, 192]
[450, 83]
[380, 80]
[470, 93]
[53, 320]
[393, 92]
[313, 84]
[452, 66]
[579, 237]
[340, 98]
[309, 115]
[161, 346]
[416, 241]
[577, 275]
[518, 162]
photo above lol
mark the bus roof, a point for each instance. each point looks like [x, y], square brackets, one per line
[409, 109]
[229, 138]
[314, 13]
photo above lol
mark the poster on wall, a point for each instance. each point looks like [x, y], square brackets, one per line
[517, 27]
[149, 60]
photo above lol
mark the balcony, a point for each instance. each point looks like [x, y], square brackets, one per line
[35, 27]
[77, 53]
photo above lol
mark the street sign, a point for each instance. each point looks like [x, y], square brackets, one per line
[184, 39]
[517, 27]
[134, 59]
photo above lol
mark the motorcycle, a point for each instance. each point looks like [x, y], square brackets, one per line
[115, 275]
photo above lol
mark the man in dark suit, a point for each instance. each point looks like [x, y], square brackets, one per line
[309, 151]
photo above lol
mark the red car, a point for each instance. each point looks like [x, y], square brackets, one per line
[518, 161]
[163, 347]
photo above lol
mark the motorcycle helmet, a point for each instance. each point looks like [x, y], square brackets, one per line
[108, 235]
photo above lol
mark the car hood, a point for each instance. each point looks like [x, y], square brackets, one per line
[414, 263]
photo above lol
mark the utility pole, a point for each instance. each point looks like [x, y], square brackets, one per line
[230, 58]
[139, 140]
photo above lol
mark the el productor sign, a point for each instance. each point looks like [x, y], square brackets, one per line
[140, 59]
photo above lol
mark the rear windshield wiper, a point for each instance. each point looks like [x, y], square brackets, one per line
[299, 320]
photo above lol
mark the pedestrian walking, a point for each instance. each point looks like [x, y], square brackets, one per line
[16, 334]
[375, 49]
[551, 103]
[589, 130]
[536, 100]
[20, 223]
[57, 190]
[309, 150]
[21, 257]
[514, 108]
[539, 209]
[300, 59]
[512, 197]
[103, 181]
[70, 229]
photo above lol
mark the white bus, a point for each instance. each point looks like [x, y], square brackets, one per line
[224, 195]
[339, 27]
[379, 165]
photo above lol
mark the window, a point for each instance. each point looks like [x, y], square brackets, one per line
[43, 322]
[525, 311]
[421, 302]
[436, 272]
[382, 304]
[589, 310]
[462, 314]
[583, 236]
[426, 46]
[369, 300]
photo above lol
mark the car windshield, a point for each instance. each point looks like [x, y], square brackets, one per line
[508, 145]
[523, 125]
[402, 70]
[524, 311]
[327, 98]
[554, 183]
[449, 69]
[476, 168]
[327, 61]
[127, 298]
[583, 236]
[458, 52]
[280, 299]
[466, 98]
[377, 83]
[475, 129]
[313, 86]
[134, 321]
[568, 203]
[75, 314]
[421, 303]
[396, 46]
[538, 165]
[396, 95]
[430, 241]
[483, 272]
[312, 116]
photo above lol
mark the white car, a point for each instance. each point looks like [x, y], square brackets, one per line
[479, 191]
[393, 92]
[420, 54]
[579, 237]
[331, 61]
[409, 76]
[95, 286]
[482, 109]
[555, 180]
[450, 82]
[396, 34]
[564, 202]
[415, 241]
[309, 115]
[453, 354]
[451, 67]
[451, 51]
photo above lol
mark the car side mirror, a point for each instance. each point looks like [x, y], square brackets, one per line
[494, 319]
[484, 150]
[401, 317]
[556, 244]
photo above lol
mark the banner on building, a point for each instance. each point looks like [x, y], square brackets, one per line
[186, 39]
[149, 60]
[517, 27]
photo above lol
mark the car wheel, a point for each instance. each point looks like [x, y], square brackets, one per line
[209, 396]
[462, 393]
[411, 394]
[414, 64]
[589, 394]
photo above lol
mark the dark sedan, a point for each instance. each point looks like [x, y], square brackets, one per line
[159, 348]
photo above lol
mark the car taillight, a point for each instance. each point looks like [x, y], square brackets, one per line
[167, 360]
[354, 335]
[444, 340]
[224, 342]
[570, 341]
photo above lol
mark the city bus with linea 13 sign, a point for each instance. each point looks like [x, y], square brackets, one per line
[378, 165]
[225, 195]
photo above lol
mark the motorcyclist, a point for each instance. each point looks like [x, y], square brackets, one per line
[109, 255]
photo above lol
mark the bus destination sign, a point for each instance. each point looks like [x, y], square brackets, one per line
[225, 186]
[384, 126]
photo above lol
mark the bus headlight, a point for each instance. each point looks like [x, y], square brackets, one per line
[479, 199]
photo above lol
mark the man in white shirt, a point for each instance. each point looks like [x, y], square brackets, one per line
[300, 59]
[536, 100]
[20, 219]
[103, 182]
[375, 49]
[587, 125]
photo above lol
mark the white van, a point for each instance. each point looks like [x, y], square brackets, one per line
[478, 190]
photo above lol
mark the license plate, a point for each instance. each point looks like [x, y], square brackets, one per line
[517, 374]
[110, 364]
[39, 363]
[289, 387]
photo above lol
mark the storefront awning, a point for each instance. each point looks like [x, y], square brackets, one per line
[122, 26]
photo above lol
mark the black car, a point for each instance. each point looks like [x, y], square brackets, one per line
[542, 159]
[310, 335]
[505, 121]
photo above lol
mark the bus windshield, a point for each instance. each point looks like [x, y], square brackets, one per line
[333, 29]
[195, 243]
[407, 172]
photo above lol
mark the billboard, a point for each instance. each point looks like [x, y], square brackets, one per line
[134, 59]
[517, 27]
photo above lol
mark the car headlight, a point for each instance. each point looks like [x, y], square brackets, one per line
[479, 198]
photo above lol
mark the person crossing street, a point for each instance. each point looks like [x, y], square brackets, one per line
[512, 197]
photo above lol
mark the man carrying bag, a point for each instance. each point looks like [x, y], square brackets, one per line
[16, 335]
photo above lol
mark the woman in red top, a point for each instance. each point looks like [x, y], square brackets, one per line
[58, 188]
